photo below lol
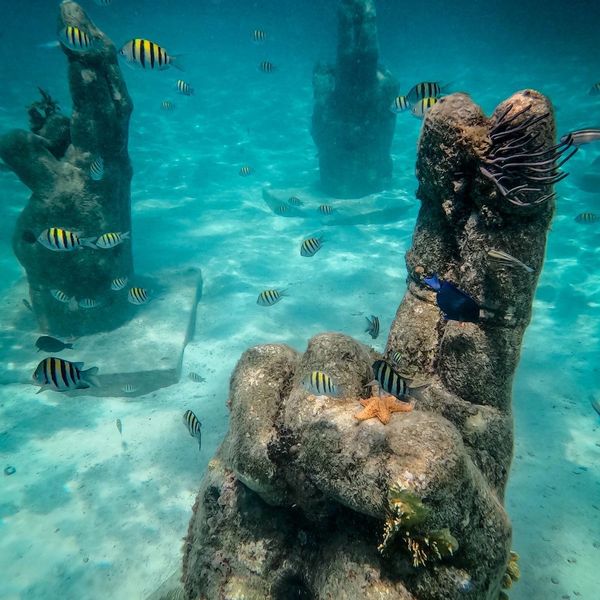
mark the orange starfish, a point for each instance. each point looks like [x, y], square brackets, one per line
[381, 407]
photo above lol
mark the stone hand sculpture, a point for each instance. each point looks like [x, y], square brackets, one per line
[303, 500]
[352, 125]
[53, 160]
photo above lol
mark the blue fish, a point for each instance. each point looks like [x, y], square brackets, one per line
[454, 303]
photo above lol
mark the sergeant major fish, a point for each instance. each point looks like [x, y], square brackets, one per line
[266, 66]
[259, 36]
[110, 240]
[389, 380]
[89, 303]
[295, 201]
[372, 326]
[62, 375]
[76, 39]
[311, 246]
[148, 55]
[118, 283]
[587, 218]
[421, 108]
[97, 169]
[193, 426]
[320, 384]
[62, 240]
[138, 296]
[246, 170]
[270, 297]
[326, 209]
[184, 88]
[425, 89]
[400, 104]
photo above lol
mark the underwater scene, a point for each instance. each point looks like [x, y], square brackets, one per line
[299, 300]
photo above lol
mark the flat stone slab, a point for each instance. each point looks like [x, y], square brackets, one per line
[375, 209]
[146, 353]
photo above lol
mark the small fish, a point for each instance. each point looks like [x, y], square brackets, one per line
[266, 66]
[400, 104]
[295, 201]
[595, 404]
[455, 304]
[184, 88]
[595, 90]
[425, 89]
[50, 344]
[320, 384]
[422, 106]
[270, 297]
[76, 39]
[259, 36]
[148, 55]
[118, 283]
[62, 240]
[193, 426]
[62, 297]
[503, 259]
[311, 246]
[138, 296]
[396, 358]
[62, 375]
[587, 218]
[110, 240]
[89, 303]
[167, 105]
[581, 137]
[119, 426]
[10, 470]
[282, 209]
[27, 304]
[389, 380]
[196, 378]
[325, 209]
[97, 169]
[372, 326]
[129, 388]
[246, 170]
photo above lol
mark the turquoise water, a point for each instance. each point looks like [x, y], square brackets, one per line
[89, 514]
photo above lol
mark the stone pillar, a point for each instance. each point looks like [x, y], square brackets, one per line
[304, 501]
[53, 160]
[352, 124]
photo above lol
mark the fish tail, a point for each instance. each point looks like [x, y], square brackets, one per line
[125, 236]
[433, 281]
[89, 376]
[176, 61]
[70, 346]
[445, 87]
[284, 292]
[369, 324]
[89, 242]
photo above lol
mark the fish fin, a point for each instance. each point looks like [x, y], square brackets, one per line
[125, 235]
[78, 365]
[89, 242]
[73, 304]
[199, 443]
[53, 44]
[419, 383]
[177, 61]
[89, 376]
[433, 281]
[369, 324]
[283, 292]
[42, 388]
[70, 346]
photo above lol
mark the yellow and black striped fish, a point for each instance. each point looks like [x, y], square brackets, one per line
[587, 218]
[62, 375]
[266, 66]
[246, 170]
[193, 426]
[320, 384]
[259, 36]
[372, 326]
[325, 209]
[89, 303]
[112, 239]
[138, 296]
[595, 89]
[118, 283]
[425, 89]
[97, 169]
[396, 358]
[389, 380]
[147, 55]
[60, 296]
[400, 104]
[183, 87]
[295, 201]
[311, 246]
[76, 39]
[282, 209]
[422, 106]
[270, 297]
[62, 240]
[167, 105]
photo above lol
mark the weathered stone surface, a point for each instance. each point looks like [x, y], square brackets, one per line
[352, 125]
[296, 499]
[53, 161]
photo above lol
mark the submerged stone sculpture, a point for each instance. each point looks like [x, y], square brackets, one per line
[352, 125]
[304, 501]
[53, 160]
